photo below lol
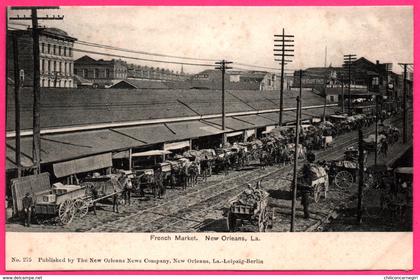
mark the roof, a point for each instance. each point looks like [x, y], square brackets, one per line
[140, 84]
[151, 153]
[67, 108]
[82, 81]
[88, 60]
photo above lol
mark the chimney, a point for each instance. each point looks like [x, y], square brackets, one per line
[377, 62]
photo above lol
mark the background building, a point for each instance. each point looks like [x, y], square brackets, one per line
[102, 73]
[56, 57]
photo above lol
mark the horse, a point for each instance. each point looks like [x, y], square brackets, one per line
[194, 172]
[264, 159]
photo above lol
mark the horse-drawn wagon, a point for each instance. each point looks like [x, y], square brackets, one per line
[313, 178]
[250, 206]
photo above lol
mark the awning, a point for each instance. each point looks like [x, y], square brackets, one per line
[85, 164]
[404, 170]
[269, 128]
[232, 134]
[249, 132]
[176, 145]
[151, 153]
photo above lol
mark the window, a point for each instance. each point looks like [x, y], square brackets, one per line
[43, 83]
[42, 66]
[49, 48]
[65, 51]
[107, 73]
[59, 50]
[54, 49]
[96, 73]
[55, 67]
[65, 83]
[65, 68]
[85, 73]
[70, 52]
[43, 48]
[70, 83]
[49, 66]
[332, 98]
[60, 69]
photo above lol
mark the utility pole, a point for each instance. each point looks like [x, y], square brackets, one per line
[348, 60]
[361, 179]
[285, 50]
[342, 93]
[222, 66]
[377, 114]
[19, 78]
[295, 167]
[36, 149]
[404, 101]
[325, 85]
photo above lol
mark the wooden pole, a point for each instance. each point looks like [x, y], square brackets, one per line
[130, 159]
[281, 82]
[361, 179]
[36, 98]
[404, 101]
[18, 85]
[295, 167]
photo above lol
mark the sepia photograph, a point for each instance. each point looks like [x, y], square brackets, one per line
[219, 120]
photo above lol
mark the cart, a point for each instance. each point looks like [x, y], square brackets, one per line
[344, 172]
[315, 179]
[60, 201]
[98, 189]
[250, 206]
[370, 143]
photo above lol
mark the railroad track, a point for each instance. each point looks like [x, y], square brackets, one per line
[168, 214]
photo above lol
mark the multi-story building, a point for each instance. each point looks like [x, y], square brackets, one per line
[154, 73]
[102, 73]
[56, 57]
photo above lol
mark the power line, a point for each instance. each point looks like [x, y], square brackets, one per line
[90, 44]
[142, 59]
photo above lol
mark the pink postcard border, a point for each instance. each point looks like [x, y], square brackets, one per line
[416, 223]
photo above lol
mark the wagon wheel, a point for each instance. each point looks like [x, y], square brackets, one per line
[262, 221]
[317, 193]
[343, 179]
[81, 208]
[66, 212]
[231, 222]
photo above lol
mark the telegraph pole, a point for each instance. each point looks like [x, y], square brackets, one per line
[342, 93]
[19, 77]
[348, 60]
[404, 101]
[325, 85]
[222, 66]
[285, 50]
[295, 167]
[36, 151]
[361, 179]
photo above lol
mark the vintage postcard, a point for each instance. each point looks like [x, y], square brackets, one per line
[209, 138]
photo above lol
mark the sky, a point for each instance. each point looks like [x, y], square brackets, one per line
[244, 34]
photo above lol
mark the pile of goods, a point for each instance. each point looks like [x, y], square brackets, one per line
[249, 200]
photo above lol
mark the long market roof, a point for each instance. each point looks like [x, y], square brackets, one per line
[153, 109]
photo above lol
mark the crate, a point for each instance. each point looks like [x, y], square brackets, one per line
[46, 198]
[241, 209]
